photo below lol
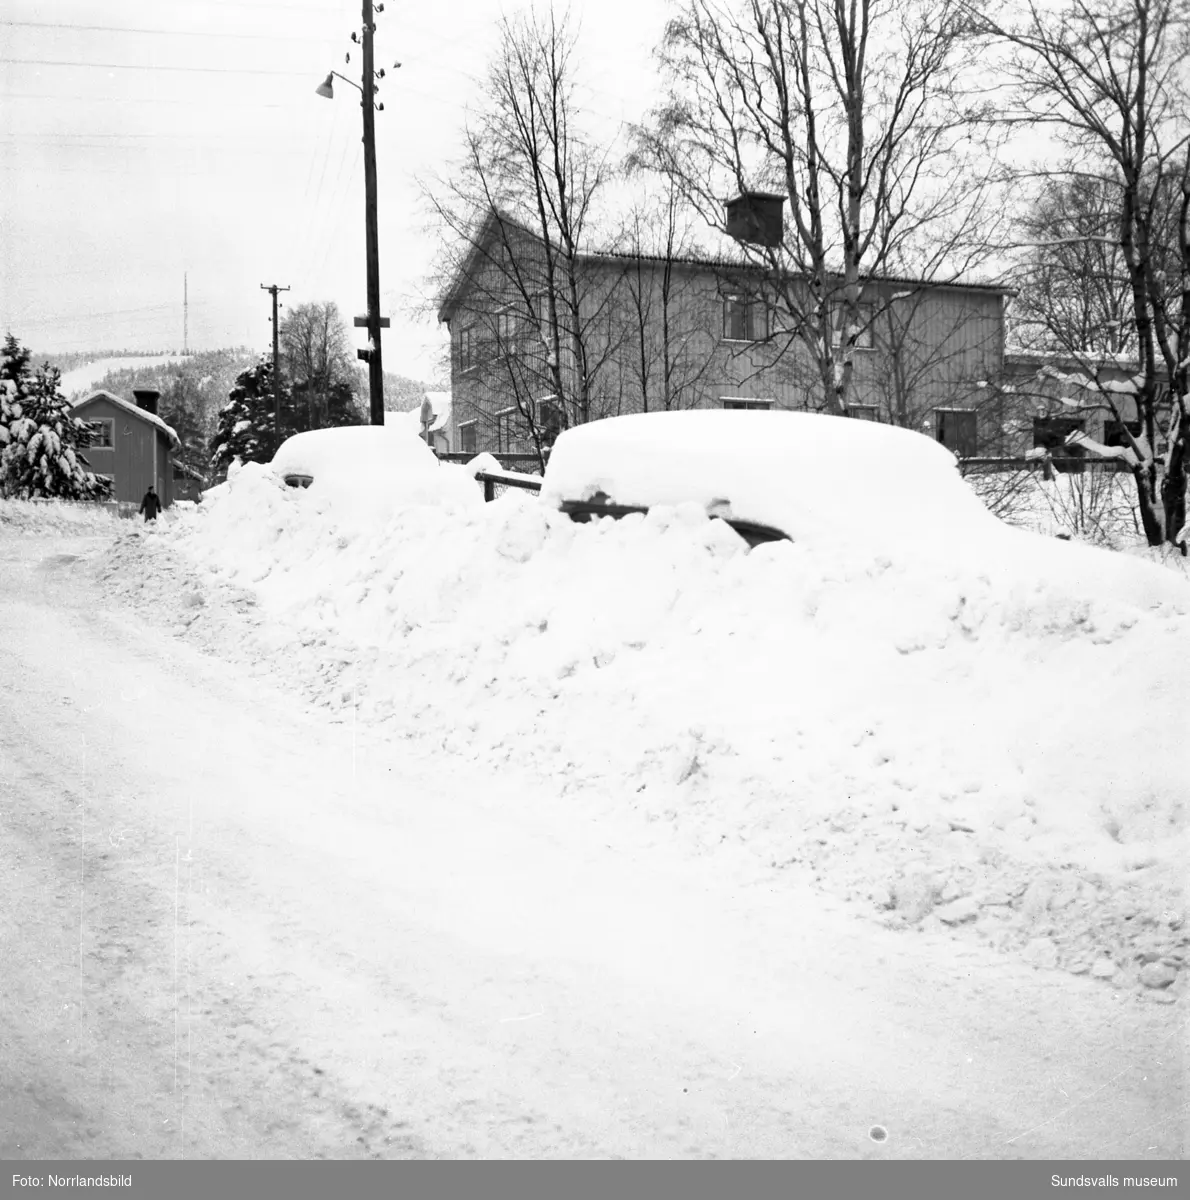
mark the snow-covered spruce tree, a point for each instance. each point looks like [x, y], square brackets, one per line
[245, 429]
[41, 441]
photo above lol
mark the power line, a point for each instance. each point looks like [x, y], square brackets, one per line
[261, 37]
[68, 97]
[68, 138]
[58, 62]
[237, 4]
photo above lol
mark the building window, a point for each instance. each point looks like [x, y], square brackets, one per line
[104, 430]
[1050, 433]
[743, 402]
[745, 318]
[466, 348]
[507, 332]
[865, 412]
[467, 437]
[955, 428]
[1113, 432]
[505, 426]
[863, 335]
[550, 419]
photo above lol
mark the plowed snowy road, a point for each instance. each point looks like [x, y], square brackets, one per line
[231, 929]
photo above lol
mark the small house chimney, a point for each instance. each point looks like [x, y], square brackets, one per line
[146, 398]
[757, 218]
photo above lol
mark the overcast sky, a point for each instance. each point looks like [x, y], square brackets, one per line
[191, 143]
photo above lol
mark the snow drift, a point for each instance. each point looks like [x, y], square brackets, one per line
[866, 700]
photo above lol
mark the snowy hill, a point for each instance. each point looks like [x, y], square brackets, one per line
[79, 380]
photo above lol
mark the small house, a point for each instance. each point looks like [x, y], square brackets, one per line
[439, 427]
[133, 446]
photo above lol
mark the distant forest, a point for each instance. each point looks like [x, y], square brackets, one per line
[195, 387]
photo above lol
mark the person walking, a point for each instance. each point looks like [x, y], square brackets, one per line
[150, 505]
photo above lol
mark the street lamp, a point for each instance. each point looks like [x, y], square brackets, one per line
[373, 321]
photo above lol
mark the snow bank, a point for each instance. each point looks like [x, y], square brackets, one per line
[58, 516]
[876, 704]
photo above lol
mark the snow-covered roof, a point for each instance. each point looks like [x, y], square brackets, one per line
[135, 410]
[439, 402]
[1019, 355]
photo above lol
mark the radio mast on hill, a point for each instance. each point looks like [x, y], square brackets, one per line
[185, 314]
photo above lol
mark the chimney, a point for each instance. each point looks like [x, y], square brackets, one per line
[756, 217]
[146, 398]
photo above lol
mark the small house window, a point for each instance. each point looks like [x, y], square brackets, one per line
[955, 428]
[745, 318]
[467, 437]
[103, 430]
[743, 402]
[864, 412]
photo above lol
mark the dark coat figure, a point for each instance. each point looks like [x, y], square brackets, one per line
[150, 505]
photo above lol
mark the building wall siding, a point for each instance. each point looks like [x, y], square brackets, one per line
[930, 347]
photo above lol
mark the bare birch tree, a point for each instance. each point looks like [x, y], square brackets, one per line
[515, 215]
[669, 345]
[1073, 291]
[864, 114]
[1109, 79]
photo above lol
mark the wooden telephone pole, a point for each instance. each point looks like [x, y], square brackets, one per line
[375, 369]
[274, 289]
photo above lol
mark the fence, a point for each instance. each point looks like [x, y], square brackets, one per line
[497, 483]
[1067, 464]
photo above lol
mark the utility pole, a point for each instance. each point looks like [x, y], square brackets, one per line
[274, 289]
[375, 368]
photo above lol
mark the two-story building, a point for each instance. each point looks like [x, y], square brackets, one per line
[541, 339]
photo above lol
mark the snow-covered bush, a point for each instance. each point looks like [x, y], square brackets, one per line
[41, 441]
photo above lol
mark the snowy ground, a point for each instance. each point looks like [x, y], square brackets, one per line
[325, 844]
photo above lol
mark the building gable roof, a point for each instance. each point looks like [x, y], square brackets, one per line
[132, 410]
[480, 240]
[724, 255]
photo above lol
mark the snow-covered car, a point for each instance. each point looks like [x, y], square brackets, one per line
[373, 463]
[852, 490]
[770, 474]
